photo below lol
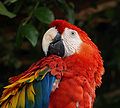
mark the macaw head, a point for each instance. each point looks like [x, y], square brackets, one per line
[64, 39]
[68, 41]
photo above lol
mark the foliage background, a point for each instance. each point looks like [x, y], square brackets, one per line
[23, 23]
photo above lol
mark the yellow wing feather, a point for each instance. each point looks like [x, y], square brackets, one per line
[14, 100]
[21, 99]
[30, 93]
[5, 105]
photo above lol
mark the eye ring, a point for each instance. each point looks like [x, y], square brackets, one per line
[72, 33]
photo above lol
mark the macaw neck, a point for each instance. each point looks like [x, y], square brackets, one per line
[84, 59]
[87, 63]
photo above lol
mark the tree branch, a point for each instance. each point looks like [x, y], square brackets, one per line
[83, 15]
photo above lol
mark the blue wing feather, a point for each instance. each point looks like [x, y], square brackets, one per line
[43, 89]
[38, 96]
[28, 104]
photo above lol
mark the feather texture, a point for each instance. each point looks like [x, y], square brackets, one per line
[32, 88]
[21, 99]
[30, 93]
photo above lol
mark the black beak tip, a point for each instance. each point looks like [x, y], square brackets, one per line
[56, 47]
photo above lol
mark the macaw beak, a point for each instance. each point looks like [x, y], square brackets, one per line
[56, 46]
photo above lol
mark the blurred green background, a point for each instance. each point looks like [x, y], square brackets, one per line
[23, 23]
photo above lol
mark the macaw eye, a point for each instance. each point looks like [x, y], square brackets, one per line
[73, 33]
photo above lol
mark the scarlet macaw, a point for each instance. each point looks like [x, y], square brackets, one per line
[65, 78]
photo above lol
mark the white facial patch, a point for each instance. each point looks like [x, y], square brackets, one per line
[48, 38]
[71, 41]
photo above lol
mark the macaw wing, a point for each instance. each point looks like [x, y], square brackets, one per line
[32, 88]
[29, 92]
